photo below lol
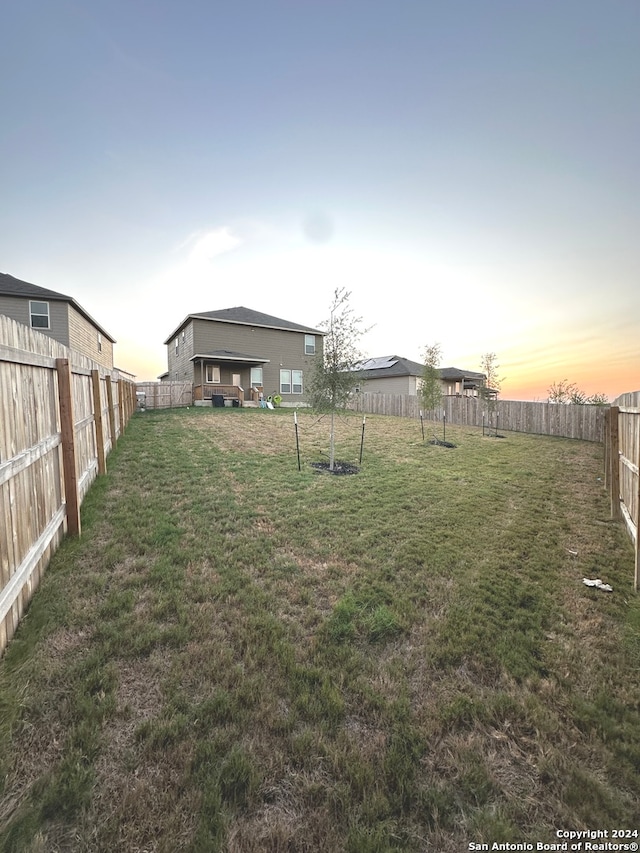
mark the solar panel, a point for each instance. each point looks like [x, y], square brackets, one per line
[378, 363]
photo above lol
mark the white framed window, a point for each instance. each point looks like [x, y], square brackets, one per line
[285, 381]
[296, 381]
[256, 376]
[309, 344]
[39, 312]
[99, 342]
[176, 346]
[212, 373]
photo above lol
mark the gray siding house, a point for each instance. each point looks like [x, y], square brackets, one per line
[242, 355]
[393, 374]
[56, 315]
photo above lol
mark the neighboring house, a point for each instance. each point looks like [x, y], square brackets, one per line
[461, 383]
[240, 354]
[56, 315]
[392, 374]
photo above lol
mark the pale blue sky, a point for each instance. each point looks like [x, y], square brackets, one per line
[468, 169]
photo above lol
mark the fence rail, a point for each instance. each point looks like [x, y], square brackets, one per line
[60, 415]
[622, 464]
[584, 422]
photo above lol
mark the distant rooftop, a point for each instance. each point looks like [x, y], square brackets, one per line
[389, 365]
[396, 365]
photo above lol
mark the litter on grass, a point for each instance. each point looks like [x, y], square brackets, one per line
[598, 584]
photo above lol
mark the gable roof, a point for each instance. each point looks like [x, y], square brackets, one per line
[242, 316]
[10, 286]
[455, 374]
[389, 365]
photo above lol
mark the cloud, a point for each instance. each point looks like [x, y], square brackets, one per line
[207, 245]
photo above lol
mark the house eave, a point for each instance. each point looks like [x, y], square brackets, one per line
[301, 330]
[231, 357]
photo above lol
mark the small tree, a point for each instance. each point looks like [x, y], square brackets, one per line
[598, 400]
[568, 392]
[559, 392]
[490, 390]
[335, 376]
[577, 397]
[431, 388]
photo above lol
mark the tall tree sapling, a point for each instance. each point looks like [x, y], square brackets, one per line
[431, 388]
[335, 376]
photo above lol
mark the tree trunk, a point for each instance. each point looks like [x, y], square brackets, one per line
[332, 444]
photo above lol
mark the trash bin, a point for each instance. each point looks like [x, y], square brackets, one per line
[217, 400]
[236, 404]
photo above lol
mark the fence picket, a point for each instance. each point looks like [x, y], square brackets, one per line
[48, 404]
[627, 468]
[585, 422]
[166, 395]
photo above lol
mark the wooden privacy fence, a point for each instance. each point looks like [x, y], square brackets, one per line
[584, 422]
[60, 415]
[622, 461]
[164, 395]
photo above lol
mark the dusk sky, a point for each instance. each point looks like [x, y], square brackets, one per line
[468, 169]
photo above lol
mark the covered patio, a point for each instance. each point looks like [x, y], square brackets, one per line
[225, 377]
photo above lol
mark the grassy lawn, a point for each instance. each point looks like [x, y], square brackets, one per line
[241, 656]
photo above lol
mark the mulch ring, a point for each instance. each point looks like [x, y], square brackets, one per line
[339, 467]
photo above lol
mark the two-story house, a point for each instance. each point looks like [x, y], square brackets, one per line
[56, 315]
[241, 354]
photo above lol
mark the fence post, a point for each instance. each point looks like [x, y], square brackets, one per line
[636, 578]
[97, 416]
[112, 414]
[131, 393]
[121, 405]
[67, 436]
[614, 462]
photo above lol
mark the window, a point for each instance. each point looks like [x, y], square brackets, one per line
[285, 381]
[309, 344]
[176, 346]
[256, 376]
[99, 342]
[212, 373]
[291, 382]
[39, 315]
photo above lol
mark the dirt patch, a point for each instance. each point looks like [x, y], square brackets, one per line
[339, 467]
